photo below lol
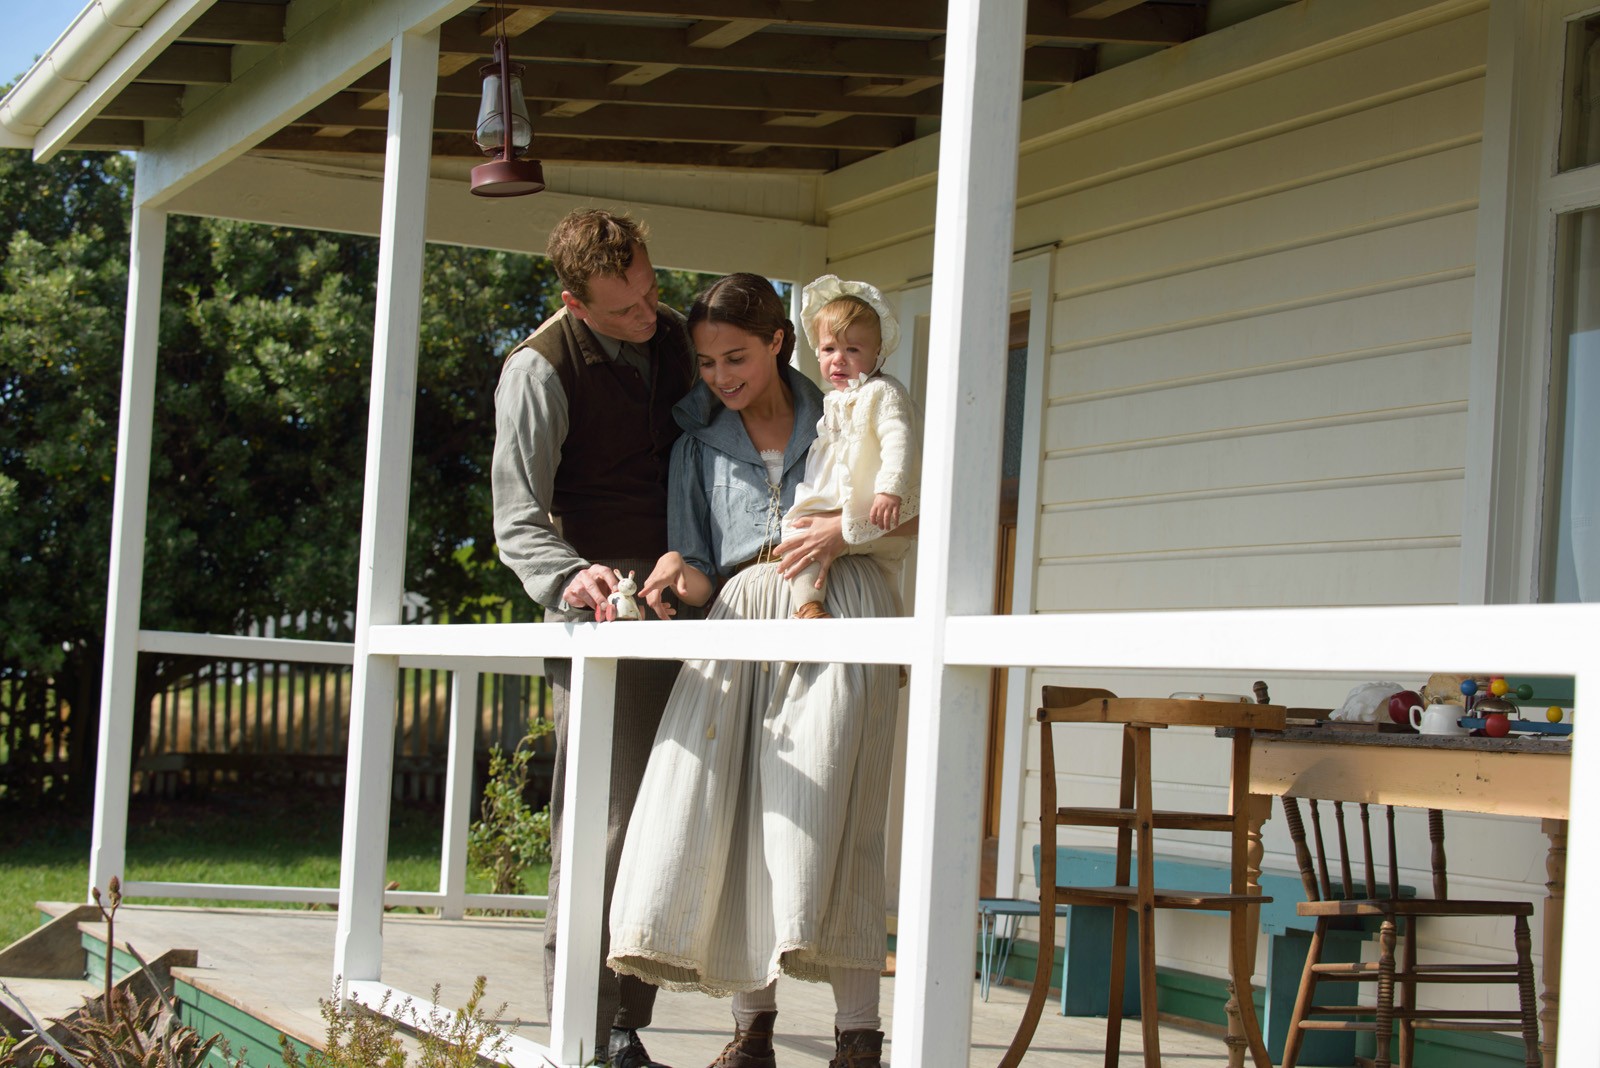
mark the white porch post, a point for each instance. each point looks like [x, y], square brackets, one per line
[458, 792]
[135, 424]
[583, 865]
[961, 471]
[413, 67]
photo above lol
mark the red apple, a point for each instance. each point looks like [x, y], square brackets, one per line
[1400, 706]
[1497, 725]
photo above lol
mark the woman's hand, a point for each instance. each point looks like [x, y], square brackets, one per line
[673, 573]
[820, 541]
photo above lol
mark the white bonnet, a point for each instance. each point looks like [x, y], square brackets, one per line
[831, 287]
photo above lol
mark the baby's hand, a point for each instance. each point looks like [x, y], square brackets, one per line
[885, 511]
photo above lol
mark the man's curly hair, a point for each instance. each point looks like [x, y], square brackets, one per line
[590, 242]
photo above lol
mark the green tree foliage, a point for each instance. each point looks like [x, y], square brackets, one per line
[260, 439]
[63, 273]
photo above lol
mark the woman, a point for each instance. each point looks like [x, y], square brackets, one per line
[757, 842]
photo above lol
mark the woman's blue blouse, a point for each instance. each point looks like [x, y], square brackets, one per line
[720, 509]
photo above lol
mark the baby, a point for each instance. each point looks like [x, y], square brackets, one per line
[863, 461]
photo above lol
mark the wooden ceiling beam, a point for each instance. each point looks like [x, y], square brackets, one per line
[1050, 19]
[629, 74]
[696, 88]
[190, 64]
[1057, 66]
[773, 53]
[303, 142]
[141, 101]
[517, 20]
[659, 50]
[714, 33]
[109, 135]
[1097, 9]
[700, 125]
[233, 22]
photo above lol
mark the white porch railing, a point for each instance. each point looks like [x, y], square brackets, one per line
[451, 899]
[1377, 642]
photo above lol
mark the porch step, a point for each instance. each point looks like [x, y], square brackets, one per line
[47, 999]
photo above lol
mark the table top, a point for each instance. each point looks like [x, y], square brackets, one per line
[1512, 743]
[1526, 776]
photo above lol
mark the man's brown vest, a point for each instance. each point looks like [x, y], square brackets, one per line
[610, 496]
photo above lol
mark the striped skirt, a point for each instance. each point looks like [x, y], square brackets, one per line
[756, 846]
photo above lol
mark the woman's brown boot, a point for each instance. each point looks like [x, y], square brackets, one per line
[857, 1049]
[812, 610]
[750, 1048]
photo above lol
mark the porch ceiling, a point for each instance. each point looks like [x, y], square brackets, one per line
[784, 85]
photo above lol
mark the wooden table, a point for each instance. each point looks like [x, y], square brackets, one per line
[1516, 776]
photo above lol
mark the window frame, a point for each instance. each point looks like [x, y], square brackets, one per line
[1522, 199]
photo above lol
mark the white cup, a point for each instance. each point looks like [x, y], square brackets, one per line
[1437, 718]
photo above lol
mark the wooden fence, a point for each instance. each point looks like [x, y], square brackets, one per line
[263, 722]
[33, 734]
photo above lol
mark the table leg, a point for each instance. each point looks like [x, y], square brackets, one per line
[1260, 808]
[1555, 866]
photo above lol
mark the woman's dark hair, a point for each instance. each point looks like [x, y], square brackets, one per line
[747, 302]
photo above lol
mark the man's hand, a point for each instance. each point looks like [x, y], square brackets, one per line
[589, 588]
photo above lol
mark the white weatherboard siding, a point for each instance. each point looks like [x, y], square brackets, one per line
[1257, 375]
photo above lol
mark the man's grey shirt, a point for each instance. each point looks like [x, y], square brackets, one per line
[530, 414]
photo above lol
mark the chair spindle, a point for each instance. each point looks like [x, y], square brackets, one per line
[1441, 888]
[1348, 891]
[1302, 855]
[1322, 854]
[1366, 848]
[1394, 861]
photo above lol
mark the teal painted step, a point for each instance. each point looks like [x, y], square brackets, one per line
[208, 1015]
[245, 1035]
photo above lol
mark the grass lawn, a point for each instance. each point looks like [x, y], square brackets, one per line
[237, 837]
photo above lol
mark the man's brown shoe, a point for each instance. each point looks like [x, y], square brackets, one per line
[752, 1048]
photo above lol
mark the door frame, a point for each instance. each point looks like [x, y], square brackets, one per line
[1031, 291]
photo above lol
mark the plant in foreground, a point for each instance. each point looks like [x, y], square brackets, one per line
[509, 836]
[360, 1038]
[118, 1030]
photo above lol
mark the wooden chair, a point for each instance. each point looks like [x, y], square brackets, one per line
[1135, 820]
[1332, 904]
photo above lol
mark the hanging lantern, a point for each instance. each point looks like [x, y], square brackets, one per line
[504, 131]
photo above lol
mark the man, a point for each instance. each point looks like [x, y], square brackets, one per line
[583, 436]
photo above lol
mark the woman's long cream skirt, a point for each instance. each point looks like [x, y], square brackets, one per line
[757, 843]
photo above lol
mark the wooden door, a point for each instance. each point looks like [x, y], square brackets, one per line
[1005, 571]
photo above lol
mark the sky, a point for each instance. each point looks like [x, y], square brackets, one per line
[31, 26]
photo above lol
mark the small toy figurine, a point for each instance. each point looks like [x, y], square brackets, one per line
[622, 600]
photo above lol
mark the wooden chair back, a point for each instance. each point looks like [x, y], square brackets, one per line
[1329, 847]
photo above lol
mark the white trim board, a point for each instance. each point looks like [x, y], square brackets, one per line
[346, 200]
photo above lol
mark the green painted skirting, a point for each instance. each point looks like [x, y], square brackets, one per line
[208, 1015]
[244, 1034]
[1203, 999]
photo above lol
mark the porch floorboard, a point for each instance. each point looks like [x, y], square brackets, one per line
[274, 964]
